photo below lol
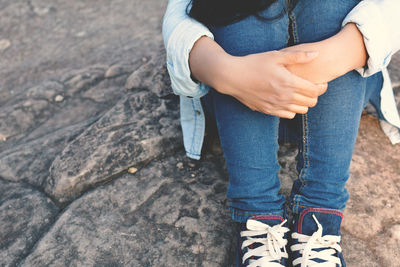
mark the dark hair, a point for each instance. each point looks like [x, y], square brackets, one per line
[224, 12]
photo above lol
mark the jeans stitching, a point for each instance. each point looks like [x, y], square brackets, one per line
[305, 158]
[294, 28]
[300, 206]
[268, 216]
[235, 213]
[297, 198]
[245, 213]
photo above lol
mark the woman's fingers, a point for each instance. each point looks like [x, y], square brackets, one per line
[297, 109]
[305, 101]
[278, 110]
[284, 114]
[305, 87]
[323, 87]
[263, 83]
[296, 57]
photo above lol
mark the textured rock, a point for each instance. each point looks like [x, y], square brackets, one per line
[288, 172]
[36, 111]
[28, 110]
[160, 216]
[152, 75]
[138, 128]
[24, 215]
[30, 162]
[50, 36]
[35, 128]
[374, 191]
[357, 252]
[390, 251]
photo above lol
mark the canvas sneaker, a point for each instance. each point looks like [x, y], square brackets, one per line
[262, 242]
[315, 239]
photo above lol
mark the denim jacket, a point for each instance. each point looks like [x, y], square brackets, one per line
[377, 20]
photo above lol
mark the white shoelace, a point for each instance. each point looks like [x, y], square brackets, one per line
[329, 245]
[273, 245]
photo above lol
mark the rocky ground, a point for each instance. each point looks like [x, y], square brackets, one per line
[92, 170]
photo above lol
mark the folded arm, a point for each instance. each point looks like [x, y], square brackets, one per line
[376, 20]
[339, 54]
[260, 81]
[180, 32]
[370, 36]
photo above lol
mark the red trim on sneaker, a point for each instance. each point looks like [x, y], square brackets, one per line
[319, 210]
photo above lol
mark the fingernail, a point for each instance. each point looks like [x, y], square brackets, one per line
[312, 54]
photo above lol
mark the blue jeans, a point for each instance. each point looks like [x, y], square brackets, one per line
[326, 134]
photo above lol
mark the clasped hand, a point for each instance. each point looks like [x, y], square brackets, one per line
[264, 83]
[280, 83]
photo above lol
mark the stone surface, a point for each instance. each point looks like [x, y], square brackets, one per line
[152, 75]
[160, 216]
[391, 250]
[374, 189]
[287, 174]
[357, 252]
[33, 121]
[52, 36]
[138, 128]
[373, 211]
[25, 214]
[30, 162]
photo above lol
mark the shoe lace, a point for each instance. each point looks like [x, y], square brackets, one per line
[273, 247]
[327, 245]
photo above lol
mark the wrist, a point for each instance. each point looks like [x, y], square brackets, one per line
[208, 63]
[224, 73]
[352, 47]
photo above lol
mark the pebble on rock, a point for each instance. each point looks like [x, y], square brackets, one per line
[4, 44]
[80, 34]
[179, 165]
[132, 170]
[41, 11]
[113, 71]
[59, 98]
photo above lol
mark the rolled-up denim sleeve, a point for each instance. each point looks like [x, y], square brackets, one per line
[180, 32]
[379, 23]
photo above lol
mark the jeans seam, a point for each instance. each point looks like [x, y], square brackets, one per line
[245, 213]
[296, 198]
[305, 158]
[300, 206]
[294, 28]
[236, 212]
[268, 216]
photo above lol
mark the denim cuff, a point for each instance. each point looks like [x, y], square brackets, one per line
[242, 216]
[298, 209]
